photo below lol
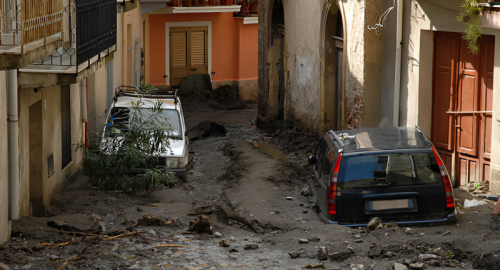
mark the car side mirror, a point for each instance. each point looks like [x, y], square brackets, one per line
[313, 160]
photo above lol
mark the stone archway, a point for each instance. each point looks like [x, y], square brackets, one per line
[333, 68]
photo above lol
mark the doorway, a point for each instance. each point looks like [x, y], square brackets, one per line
[462, 106]
[333, 70]
[37, 207]
[277, 81]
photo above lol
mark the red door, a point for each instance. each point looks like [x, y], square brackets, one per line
[463, 130]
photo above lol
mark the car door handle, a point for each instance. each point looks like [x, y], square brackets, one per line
[193, 69]
[164, 76]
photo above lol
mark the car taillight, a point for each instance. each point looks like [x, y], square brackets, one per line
[332, 191]
[450, 201]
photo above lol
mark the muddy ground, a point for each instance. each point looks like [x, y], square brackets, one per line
[260, 174]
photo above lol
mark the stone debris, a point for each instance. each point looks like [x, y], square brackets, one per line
[233, 250]
[303, 241]
[314, 239]
[223, 243]
[357, 267]
[218, 235]
[322, 253]
[289, 198]
[427, 257]
[446, 233]
[434, 263]
[201, 225]
[294, 254]
[314, 266]
[374, 223]
[391, 225]
[399, 266]
[4, 266]
[340, 256]
[251, 247]
[305, 191]
[417, 266]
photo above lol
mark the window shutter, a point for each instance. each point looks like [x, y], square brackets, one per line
[179, 49]
[198, 48]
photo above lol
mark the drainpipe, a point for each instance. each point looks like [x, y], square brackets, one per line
[13, 121]
[397, 77]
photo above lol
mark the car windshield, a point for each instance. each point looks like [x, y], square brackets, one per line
[120, 117]
[384, 170]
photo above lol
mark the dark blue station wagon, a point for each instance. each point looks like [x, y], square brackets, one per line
[393, 173]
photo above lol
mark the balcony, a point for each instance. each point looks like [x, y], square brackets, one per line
[190, 6]
[28, 29]
[92, 35]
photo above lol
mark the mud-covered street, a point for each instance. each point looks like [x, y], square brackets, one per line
[261, 177]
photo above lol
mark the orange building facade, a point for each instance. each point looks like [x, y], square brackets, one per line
[201, 40]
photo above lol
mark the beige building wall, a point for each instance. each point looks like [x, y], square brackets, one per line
[4, 162]
[54, 181]
[421, 19]
[97, 103]
[131, 43]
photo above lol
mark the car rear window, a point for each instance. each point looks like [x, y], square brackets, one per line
[120, 117]
[386, 170]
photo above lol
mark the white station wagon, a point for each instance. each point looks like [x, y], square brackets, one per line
[126, 101]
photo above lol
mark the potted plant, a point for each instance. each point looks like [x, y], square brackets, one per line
[254, 6]
[212, 2]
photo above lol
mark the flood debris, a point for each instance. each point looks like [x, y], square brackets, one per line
[251, 247]
[314, 266]
[226, 215]
[374, 223]
[399, 266]
[206, 129]
[303, 241]
[223, 243]
[322, 253]
[63, 226]
[473, 203]
[150, 220]
[417, 266]
[294, 254]
[201, 225]
[340, 255]
[4, 266]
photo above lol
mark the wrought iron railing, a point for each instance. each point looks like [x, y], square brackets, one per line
[92, 30]
[95, 27]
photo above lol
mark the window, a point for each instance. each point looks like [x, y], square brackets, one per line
[384, 170]
[65, 125]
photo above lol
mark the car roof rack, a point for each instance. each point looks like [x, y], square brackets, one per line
[133, 91]
[336, 139]
[418, 129]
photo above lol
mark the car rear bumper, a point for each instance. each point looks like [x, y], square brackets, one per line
[449, 219]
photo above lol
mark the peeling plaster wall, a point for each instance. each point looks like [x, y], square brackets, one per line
[305, 94]
[302, 62]
[4, 162]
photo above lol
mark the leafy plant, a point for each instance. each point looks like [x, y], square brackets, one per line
[470, 16]
[134, 138]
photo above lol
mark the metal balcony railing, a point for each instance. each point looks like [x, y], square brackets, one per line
[95, 27]
[92, 30]
[26, 21]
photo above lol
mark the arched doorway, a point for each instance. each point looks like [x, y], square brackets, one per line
[333, 69]
[277, 57]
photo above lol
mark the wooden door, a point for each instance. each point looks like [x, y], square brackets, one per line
[445, 76]
[188, 52]
[464, 129]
